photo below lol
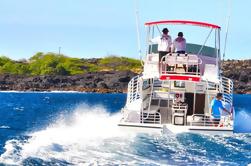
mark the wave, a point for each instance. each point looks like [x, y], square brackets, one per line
[242, 121]
[83, 133]
[4, 127]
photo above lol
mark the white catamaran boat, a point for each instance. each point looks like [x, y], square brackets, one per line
[173, 94]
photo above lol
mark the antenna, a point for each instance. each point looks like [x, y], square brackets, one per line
[59, 50]
[138, 30]
[227, 28]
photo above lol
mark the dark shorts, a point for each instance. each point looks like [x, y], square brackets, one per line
[181, 52]
[162, 53]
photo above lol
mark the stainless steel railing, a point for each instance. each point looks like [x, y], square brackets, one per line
[152, 118]
[226, 87]
[190, 64]
[203, 120]
[133, 90]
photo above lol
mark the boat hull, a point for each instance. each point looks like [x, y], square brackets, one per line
[175, 129]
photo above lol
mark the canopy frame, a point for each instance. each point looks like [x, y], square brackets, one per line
[187, 22]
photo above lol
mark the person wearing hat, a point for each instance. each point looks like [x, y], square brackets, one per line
[164, 43]
[180, 44]
[217, 107]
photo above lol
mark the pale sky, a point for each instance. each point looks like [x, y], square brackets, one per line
[96, 28]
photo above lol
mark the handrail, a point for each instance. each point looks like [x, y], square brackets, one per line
[133, 90]
[154, 118]
[226, 87]
[174, 59]
[150, 101]
[203, 120]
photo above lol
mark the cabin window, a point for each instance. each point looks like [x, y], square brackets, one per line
[179, 84]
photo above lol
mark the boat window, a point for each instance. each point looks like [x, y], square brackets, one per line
[179, 84]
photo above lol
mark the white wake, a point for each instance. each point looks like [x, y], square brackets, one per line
[90, 135]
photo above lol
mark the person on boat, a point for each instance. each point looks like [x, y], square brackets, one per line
[164, 43]
[217, 107]
[180, 44]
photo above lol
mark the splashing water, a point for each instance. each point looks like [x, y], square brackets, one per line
[242, 121]
[85, 134]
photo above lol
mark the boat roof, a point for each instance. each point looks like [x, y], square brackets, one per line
[194, 23]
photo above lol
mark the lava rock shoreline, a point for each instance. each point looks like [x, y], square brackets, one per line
[101, 82]
[112, 81]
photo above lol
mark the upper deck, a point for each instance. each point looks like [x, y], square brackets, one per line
[199, 62]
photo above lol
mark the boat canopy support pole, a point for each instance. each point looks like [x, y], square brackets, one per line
[205, 41]
[158, 29]
[218, 59]
[148, 46]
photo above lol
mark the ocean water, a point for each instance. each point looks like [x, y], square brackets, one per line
[81, 129]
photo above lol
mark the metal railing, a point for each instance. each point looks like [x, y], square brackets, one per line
[190, 64]
[226, 87]
[133, 90]
[204, 120]
[212, 86]
[152, 118]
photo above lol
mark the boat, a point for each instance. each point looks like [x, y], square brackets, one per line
[170, 98]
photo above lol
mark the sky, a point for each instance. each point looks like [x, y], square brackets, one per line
[97, 28]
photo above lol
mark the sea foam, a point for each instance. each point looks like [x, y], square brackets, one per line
[84, 133]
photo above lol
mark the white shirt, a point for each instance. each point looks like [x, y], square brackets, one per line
[180, 44]
[164, 42]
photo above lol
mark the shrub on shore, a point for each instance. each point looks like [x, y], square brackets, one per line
[55, 64]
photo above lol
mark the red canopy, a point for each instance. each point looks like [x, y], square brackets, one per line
[195, 23]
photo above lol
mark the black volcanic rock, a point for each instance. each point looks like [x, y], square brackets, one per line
[106, 81]
[240, 72]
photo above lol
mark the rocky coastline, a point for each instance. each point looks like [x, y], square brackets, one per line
[239, 71]
[101, 82]
[112, 81]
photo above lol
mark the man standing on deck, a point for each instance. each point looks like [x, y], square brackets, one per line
[216, 107]
[164, 43]
[180, 44]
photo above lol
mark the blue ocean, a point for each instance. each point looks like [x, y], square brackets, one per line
[81, 129]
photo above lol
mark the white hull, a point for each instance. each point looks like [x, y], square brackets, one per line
[175, 129]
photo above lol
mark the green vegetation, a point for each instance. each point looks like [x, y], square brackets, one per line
[54, 64]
